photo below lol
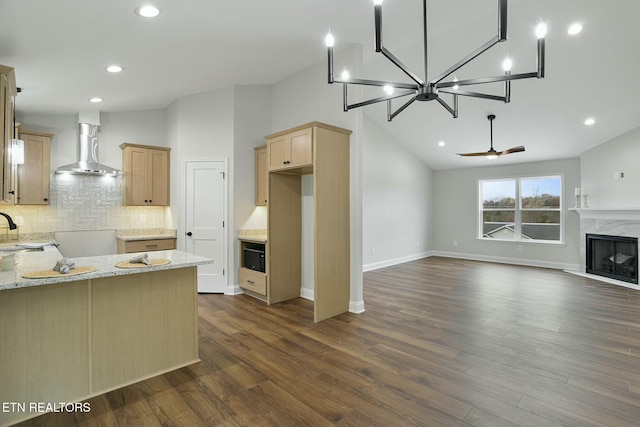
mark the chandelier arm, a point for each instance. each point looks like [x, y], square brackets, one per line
[379, 99]
[483, 80]
[476, 95]
[464, 61]
[391, 116]
[400, 65]
[380, 83]
[454, 112]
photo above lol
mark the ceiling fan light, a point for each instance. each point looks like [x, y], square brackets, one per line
[492, 156]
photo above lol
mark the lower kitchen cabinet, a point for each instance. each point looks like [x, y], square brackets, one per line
[252, 274]
[129, 246]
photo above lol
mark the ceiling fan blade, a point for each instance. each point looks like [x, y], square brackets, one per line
[517, 149]
[484, 153]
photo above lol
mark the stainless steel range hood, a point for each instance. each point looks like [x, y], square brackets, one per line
[88, 163]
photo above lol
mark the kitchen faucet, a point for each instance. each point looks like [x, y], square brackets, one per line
[12, 225]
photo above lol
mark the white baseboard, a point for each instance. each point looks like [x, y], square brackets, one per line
[307, 294]
[506, 260]
[356, 307]
[395, 261]
[233, 290]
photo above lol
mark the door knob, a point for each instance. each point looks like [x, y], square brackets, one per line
[189, 233]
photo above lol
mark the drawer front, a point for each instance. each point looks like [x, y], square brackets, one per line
[252, 280]
[150, 245]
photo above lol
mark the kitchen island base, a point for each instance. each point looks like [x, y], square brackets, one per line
[71, 341]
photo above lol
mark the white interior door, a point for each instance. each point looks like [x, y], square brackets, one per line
[205, 215]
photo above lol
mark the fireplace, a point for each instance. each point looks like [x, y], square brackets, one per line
[615, 257]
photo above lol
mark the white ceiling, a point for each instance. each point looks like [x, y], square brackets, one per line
[60, 50]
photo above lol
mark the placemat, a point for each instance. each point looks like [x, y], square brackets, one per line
[50, 273]
[154, 262]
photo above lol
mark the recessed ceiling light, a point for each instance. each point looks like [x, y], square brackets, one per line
[590, 121]
[574, 29]
[95, 99]
[441, 144]
[114, 68]
[148, 11]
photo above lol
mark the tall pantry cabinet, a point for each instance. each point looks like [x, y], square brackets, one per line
[323, 151]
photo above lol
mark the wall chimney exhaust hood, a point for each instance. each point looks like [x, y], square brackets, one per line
[88, 163]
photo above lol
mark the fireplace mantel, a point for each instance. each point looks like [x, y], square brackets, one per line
[630, 213]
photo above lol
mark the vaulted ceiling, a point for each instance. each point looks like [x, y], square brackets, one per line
[61, 49]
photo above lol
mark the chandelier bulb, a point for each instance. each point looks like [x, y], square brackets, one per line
[541, 30]
[329, 40]
[345, 74]
[455, 87]
[507, 64]
[388, 89]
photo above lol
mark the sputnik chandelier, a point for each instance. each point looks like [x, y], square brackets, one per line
[431, 89]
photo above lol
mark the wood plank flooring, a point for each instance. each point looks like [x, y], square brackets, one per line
[443, 342]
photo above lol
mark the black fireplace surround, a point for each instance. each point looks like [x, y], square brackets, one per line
[615, 257]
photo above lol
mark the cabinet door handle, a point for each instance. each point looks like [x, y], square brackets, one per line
[189, 233]
[152, 246]
[251, 282]
[46, 200]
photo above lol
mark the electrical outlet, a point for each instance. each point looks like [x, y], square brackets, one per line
[520, 248]
[455, 243]
[373, 251]
[417, 244]
[143, 218]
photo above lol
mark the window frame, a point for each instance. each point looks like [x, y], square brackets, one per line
[518, 210]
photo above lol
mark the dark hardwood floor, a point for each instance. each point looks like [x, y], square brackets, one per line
[442, 342]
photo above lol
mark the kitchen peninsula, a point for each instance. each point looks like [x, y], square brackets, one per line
[67, 338]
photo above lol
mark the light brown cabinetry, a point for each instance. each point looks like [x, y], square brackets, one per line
[252, 278]
[328, 163]
[262, 175]
[146, 175]
[33, 176]
[8, 92]
[129, 246]
[290, 150]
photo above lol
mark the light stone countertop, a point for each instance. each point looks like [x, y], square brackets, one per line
[134, 237]
[46, 259]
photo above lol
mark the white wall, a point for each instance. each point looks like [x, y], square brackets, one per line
[597, 167]
[456, 216]
[397, 194]
[305, 97]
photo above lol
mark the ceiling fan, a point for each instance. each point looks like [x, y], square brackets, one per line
[492, 153]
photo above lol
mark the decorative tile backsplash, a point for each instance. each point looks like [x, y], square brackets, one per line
[86, 203]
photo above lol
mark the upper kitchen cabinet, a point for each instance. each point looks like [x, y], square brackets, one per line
[34, 175]
[292, 150]
[145, 171]
[8, 91]
[262, 176]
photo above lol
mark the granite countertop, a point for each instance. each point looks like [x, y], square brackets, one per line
[46, 259]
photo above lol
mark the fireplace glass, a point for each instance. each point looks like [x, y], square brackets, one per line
[615, 257]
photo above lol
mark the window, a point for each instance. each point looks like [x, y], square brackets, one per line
[521, 209]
